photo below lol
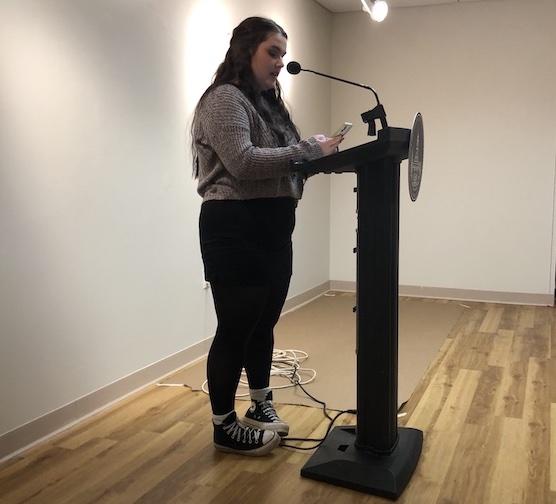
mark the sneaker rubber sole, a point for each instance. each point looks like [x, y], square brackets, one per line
[255, 452]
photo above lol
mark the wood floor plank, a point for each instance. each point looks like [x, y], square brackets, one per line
[552, 379]
[426, 412]
[438, 450]
[410, 406]
[553, 447]
[435, 391]
[470, 474]
[542, 316]
[475, 352]
[531, 343]
[510, 398]
[467, 341]
[527, 316]
[537, 421]
[492, 320]
[510, 318]
[510, 470]
[481, 410]
[501, 348]
[553, 335]
[458, 402]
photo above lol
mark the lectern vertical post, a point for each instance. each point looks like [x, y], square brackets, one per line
[378, 197]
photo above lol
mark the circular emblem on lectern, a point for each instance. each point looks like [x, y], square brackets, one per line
[415, 157]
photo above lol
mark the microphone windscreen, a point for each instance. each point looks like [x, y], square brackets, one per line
[293, 67]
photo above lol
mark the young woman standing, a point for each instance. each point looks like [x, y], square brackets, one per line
[244, 141]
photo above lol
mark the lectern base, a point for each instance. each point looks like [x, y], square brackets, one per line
[339, 462]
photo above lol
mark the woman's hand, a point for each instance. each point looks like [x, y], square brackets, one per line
[327, 144]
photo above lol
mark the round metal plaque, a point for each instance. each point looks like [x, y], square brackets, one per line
[415, 157]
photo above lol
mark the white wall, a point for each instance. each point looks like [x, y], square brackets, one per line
[100, 271]
[483, 75]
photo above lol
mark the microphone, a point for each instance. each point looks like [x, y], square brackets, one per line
[293, 67]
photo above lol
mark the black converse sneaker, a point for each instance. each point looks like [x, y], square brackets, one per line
[232, 436]
[262, 415]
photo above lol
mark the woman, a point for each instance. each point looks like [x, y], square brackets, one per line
[243, 142]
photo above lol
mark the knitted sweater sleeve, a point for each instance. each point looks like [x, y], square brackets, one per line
[226, 126]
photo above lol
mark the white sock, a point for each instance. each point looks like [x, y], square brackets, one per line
[259, 394]
[219, 419]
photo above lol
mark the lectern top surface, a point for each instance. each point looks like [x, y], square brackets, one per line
[391, 143]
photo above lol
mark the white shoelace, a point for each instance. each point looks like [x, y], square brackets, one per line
[268, 409]
[242, 434]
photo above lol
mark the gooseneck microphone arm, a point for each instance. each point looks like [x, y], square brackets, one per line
[368, 117]
[344, 80]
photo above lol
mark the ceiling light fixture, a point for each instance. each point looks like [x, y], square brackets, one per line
[377, 9]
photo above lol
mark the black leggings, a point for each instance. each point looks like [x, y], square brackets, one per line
[247, 255]
[244, 338]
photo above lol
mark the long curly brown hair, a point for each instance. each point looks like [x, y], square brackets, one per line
[236, 70]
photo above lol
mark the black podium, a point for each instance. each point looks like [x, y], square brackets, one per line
[375, 456]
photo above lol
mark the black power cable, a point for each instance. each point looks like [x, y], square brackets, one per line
[319, 441]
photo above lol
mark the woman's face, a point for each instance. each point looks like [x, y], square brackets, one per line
[267, 62]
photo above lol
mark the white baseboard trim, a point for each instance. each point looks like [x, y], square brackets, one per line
[521, 298]
[36, 431]
[342, 285]
[302, 299]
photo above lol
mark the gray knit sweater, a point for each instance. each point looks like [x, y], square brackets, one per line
[238, 154]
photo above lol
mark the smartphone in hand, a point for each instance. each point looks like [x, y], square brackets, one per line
[342, 130]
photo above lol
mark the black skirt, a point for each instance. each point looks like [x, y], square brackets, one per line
[247, 242]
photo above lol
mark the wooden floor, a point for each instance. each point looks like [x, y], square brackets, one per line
[486, 406]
